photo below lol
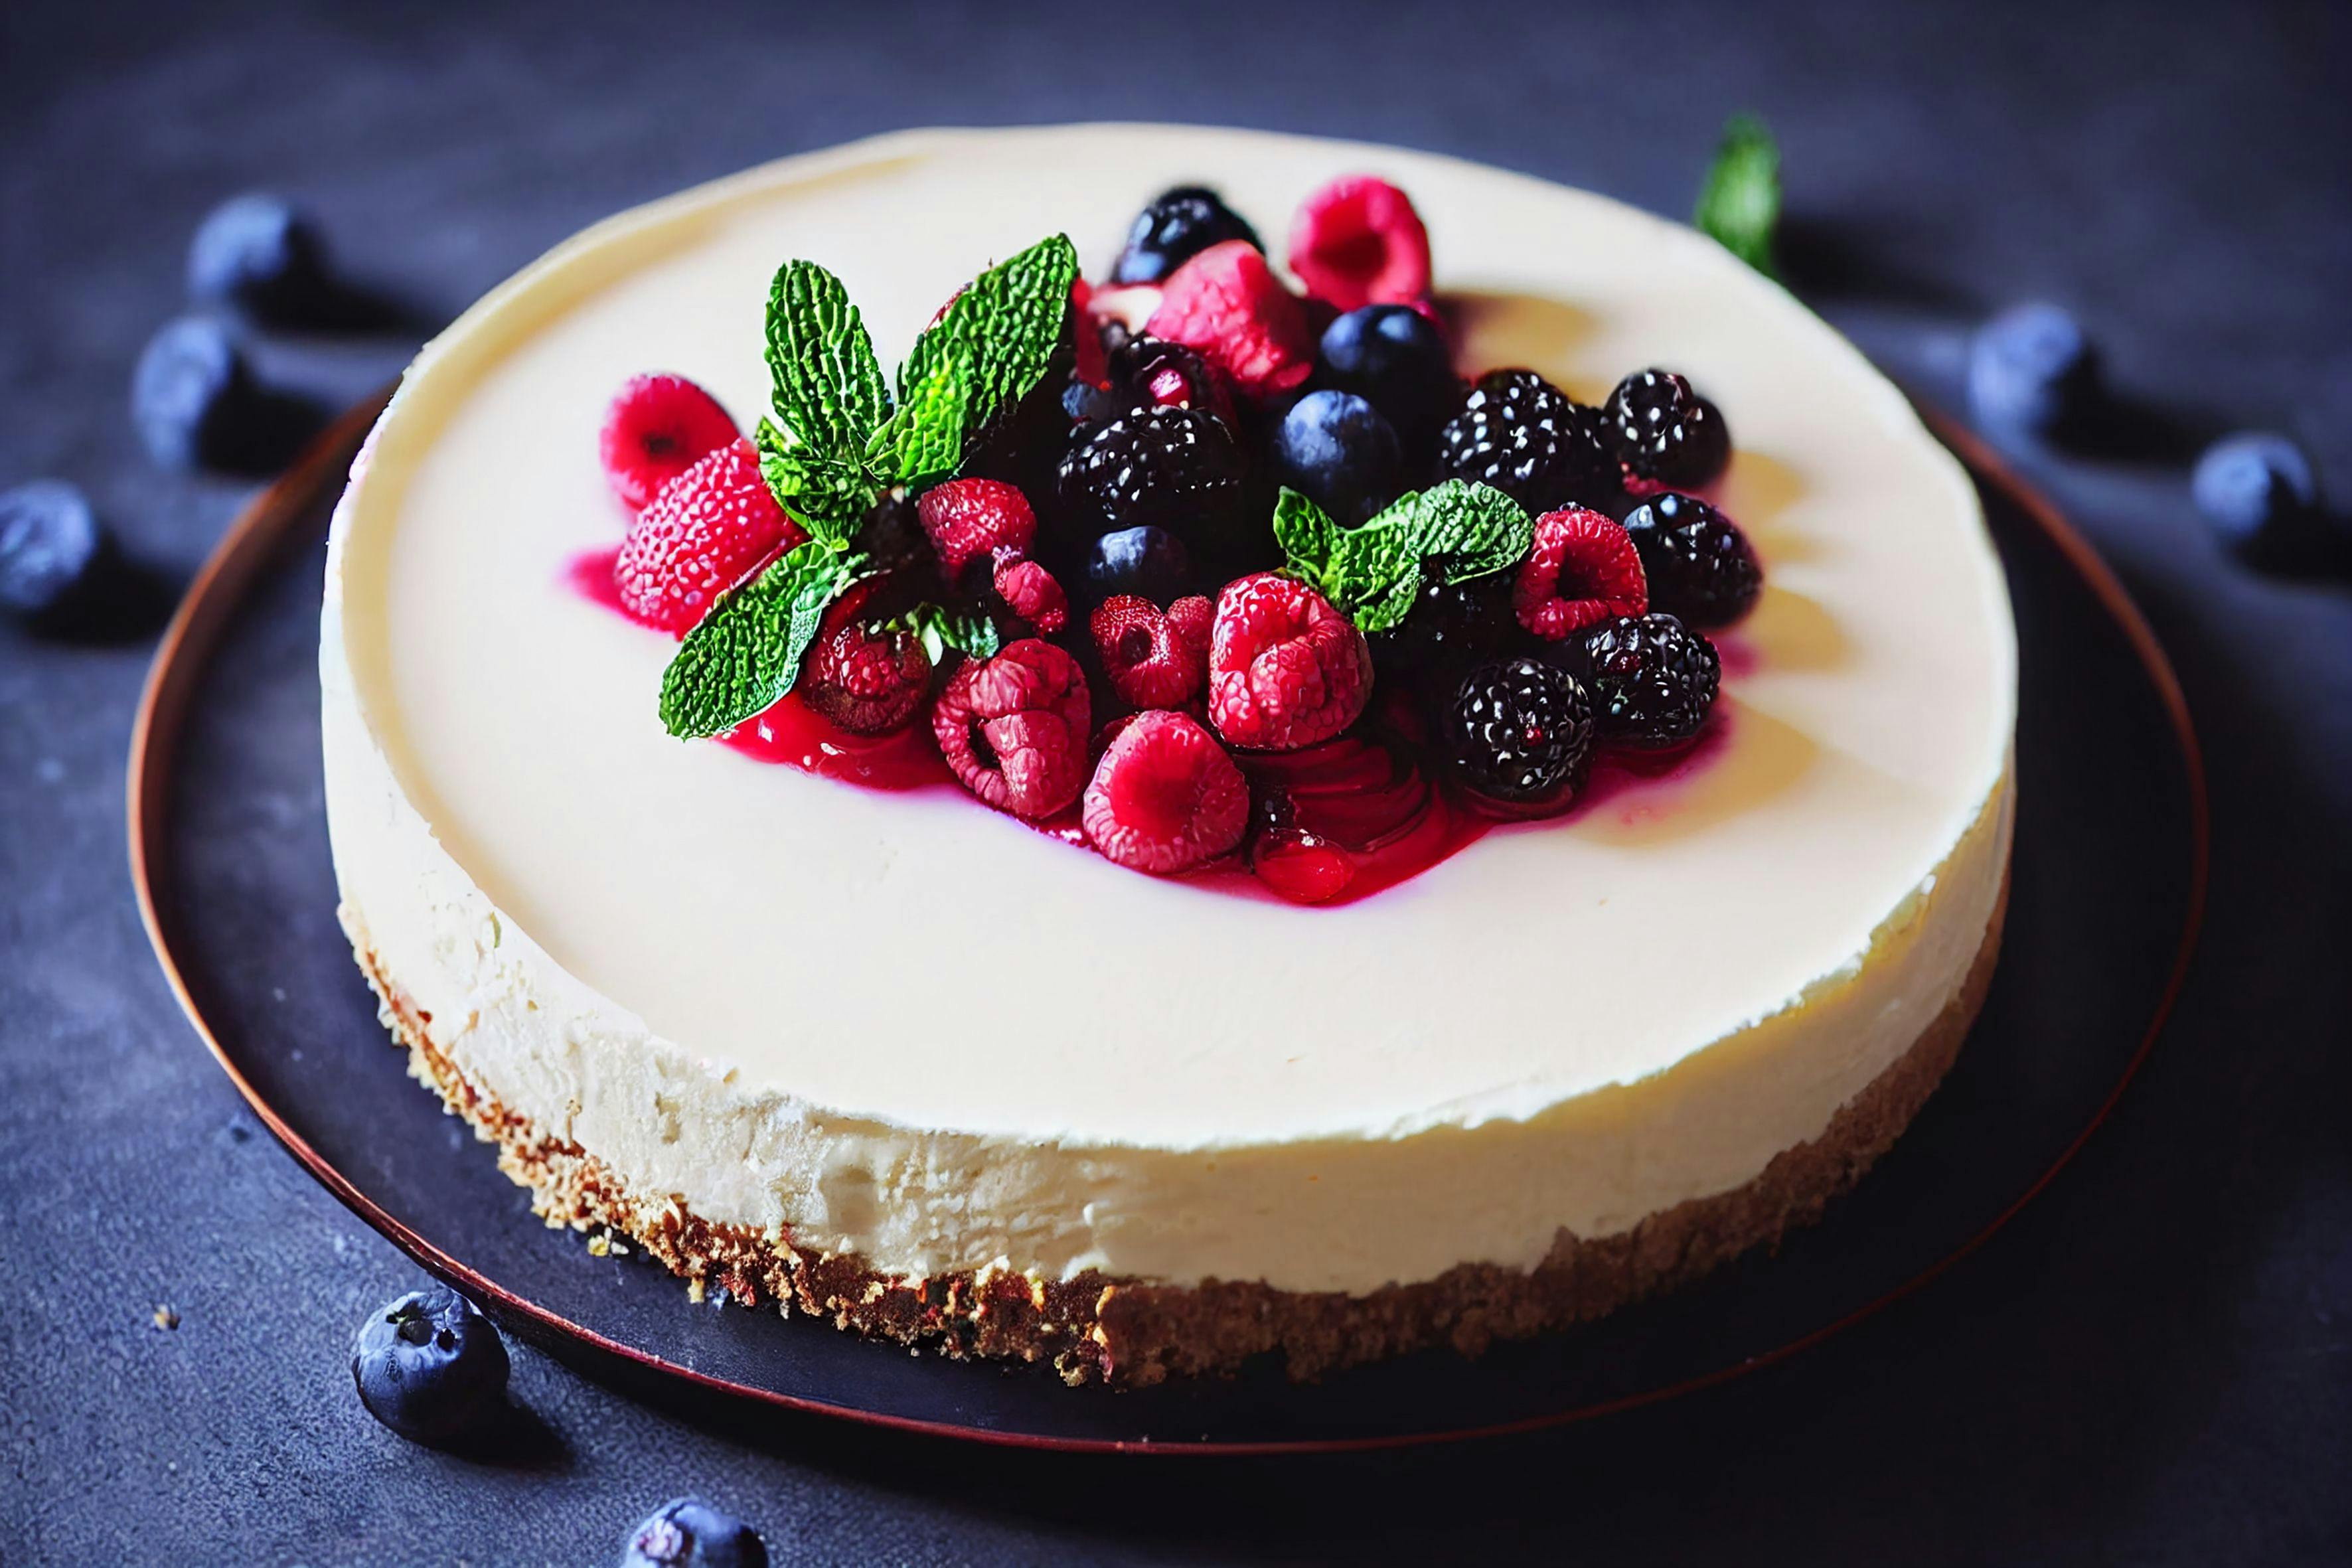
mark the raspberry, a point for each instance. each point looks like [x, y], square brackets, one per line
[657, 427]
[1227, 303]
[1013, 728]
[1155, 658]
[869, 681]
[1520, 731]
[1033, 595]
[1652, 682]
[702, 535]
[1358, 242]
[1165, 797]
[1285, 669]
[1665, 433]
[970, 518]
[1582, 570]
[1700, 567]
[1177, 468]
[1528, 438]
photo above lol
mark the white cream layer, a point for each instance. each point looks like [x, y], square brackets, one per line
[910, 1029]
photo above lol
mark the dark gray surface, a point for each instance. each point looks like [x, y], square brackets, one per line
[2150, 1365]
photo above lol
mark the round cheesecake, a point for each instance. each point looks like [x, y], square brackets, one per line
[906, 1063]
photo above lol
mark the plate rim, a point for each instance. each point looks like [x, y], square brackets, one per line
[251, 542]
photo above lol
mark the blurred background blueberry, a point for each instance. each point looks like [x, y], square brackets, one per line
[197, 405]
[2257, 490]
[50, 545]
[257, 253]
[2031, 372]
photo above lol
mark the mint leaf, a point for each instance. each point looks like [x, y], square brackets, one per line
[941, 627]
[828, 497]
[923, 441]
[1448, 534]
[829, 393]
[1740, 205]
[746, 653]
[1004, 326]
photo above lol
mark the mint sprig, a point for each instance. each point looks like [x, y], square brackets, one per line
[1740, 205]
[836, 441]
[1450, 532]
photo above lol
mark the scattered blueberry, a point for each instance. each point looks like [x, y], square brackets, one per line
[2031, 371]
[688, 1532]
[429, 1365]
[1395, 357]
[2254, 488]
[260, 254]
[1150, 561]
[1334, 449]
[1178, 225]
[191, 393]
[50, 549]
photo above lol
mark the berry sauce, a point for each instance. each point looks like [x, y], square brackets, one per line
[1331, 823]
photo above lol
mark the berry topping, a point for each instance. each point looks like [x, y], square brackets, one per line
[1148, 372]
[1154, 657]
[2258, 492]
[1177, 468]
[1334, 449]
[1285, 669]
[1165, 797]
[2031, 371]
[52, 552]
[1582, 570]
[1174, 228]
[1228, 303]
[701, 536]
[1520, 731]
[1032, 594]
[1699, 566]
[688, 1532]
[1358, 241]
[1150, 563]
[1665, 433]
[1397, 359]
[967, 519]
[865, 679]
[1652, 682]
[263, 256]
[1013, 728]
[429, 1365]
[657, 429]
[1528, 438]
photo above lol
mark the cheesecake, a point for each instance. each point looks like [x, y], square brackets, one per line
[853, 1044]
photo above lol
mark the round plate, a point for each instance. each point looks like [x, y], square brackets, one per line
[228, 849]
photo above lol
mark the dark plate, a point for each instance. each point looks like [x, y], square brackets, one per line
[228, 844]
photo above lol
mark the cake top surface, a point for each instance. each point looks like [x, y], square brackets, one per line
[907, 958]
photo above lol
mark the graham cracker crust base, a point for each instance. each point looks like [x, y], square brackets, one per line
[1131, 1332]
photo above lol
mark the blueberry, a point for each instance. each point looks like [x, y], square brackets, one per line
[1395, 357]
[2031, 370]
[260, 254]
[2255, 487]
[192, 394]
[50, 550]
[1150, 561]
[1176, 226]
[687, 1533]
[1334, 449]
[429, 1365]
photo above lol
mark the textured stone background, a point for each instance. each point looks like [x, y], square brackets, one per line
[2150, 1366]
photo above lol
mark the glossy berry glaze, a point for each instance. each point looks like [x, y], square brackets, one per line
[1330, 823]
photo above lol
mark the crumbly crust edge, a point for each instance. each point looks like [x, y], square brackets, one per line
[1132, 1332]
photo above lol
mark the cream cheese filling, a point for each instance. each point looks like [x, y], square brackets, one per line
[907, 1029]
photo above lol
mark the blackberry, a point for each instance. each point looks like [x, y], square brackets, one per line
[1664, 431]
[1520, 730]
[1452, 626]
[1178, 225]
[1147, 372]
[1652, 681]
[1176, 468]
[1700, 567]
[1528, 438]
